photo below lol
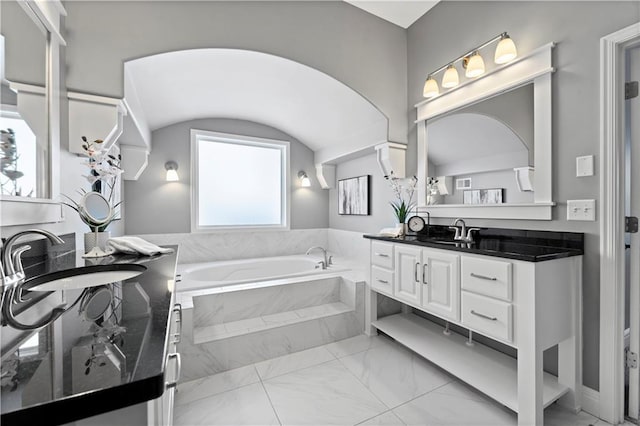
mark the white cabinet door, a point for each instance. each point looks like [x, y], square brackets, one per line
[441, 283]
[407, 281]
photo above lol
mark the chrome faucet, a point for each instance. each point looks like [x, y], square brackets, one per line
[11, 268]
[327, 260]
[12, 277]
[462, 233]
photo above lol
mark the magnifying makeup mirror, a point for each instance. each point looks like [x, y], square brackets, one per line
[98, 210]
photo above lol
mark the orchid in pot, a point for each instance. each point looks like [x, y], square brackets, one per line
[404, 189]
[96, 208]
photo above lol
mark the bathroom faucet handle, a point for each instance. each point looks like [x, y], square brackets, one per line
[469, 237]
[458, 235]
[16, 256]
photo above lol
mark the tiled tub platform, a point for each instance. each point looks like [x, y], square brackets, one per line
[227, 328]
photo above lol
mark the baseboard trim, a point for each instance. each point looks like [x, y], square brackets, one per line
[591, 401]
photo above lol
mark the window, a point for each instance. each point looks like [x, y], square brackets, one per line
[238, 182]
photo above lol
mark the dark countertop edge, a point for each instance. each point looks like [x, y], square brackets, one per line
[99, 401]
[89, 404]
[505, 255]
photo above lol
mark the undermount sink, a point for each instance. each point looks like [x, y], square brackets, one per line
[444, 241]
[84, 277]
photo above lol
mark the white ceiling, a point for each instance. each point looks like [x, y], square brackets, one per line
[318, 110]
[400, 12]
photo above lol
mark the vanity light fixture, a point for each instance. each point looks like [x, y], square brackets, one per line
[430, 88]
[450, 78]
[172, 171]
[473, 63]
[505, 50]
[305, 182]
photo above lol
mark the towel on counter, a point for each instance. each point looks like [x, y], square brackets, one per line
[134, 245]
[391, 232]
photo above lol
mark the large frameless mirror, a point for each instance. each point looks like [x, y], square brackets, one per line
[24, 126]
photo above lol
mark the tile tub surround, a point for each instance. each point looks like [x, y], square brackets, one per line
[349, 382]
[208, 247]
[223, 331]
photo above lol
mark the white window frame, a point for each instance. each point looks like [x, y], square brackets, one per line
[196, 136]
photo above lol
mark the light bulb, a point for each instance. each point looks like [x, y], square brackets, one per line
[430, 88]
[172, 176]
[475, 66]
[172, 171]
[505, 50]
[305, 182]
[450, 78]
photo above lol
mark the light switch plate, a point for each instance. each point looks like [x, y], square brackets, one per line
[584, 166]
[581, 210]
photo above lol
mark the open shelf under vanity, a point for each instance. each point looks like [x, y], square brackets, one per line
[491, 372]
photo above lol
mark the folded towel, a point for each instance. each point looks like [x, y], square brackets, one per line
[391, 232]
[133, 245]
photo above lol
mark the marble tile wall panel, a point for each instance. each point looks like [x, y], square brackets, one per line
[350, 245]
[258, 302]
[209, 247]
[214, 357]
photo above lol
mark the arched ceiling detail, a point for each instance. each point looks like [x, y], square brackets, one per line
[326, 115]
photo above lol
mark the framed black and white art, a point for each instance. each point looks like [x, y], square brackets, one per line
[353, 196]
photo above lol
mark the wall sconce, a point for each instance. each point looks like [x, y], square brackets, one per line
[305, 182]
[473, 64]
[172, 171]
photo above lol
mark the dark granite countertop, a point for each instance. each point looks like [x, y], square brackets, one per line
[75, 367]
[525, 245]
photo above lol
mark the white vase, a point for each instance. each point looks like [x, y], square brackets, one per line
[402, 227]
[93, 239]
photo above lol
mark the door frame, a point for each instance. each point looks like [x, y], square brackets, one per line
[612, 250]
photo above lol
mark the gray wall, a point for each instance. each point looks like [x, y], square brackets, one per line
[577, 27]
[25, 45]
[154, 206]
[380, 195]
[358, 49]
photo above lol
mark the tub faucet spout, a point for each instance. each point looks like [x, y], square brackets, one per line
[326, 258]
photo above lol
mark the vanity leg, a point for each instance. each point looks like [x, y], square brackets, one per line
[569, 374]
[530, 385]
[530, 359]
[370, 311]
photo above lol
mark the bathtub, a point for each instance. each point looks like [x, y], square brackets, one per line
[199, 276]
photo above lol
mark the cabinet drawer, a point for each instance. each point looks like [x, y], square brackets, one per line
[488, 277]
[487, 316]
[382, 254]
[382, 280]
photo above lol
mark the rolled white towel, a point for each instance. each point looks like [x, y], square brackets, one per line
[133, 245]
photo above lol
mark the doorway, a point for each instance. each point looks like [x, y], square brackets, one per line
[632, 239]
[611, 404]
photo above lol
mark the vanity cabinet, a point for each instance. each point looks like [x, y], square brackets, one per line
[382, 273]
[441, 283]
[528, 305]
[408, 284]
[428, 279]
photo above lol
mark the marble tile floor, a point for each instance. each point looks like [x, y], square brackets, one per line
[357, 381]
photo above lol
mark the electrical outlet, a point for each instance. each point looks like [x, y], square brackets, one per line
[581, 210]
[584, 166]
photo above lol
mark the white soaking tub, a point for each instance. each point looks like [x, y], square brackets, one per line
[198, 276]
